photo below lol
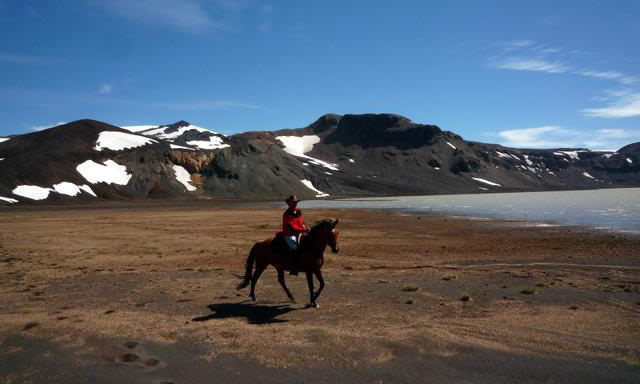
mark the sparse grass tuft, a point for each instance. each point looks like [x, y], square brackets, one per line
[466, 296]
[528, 291]
[411, 288]
[449, 276]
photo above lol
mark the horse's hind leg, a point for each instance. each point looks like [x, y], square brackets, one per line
[284, 286]
[254, 279]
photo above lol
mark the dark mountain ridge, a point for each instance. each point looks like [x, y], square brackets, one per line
[349, 155]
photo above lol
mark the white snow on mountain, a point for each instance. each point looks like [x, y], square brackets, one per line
[117, 141]
[8, 200]
[214, 142]
[32, 192]
[173, 146]
[161, 132]
[70, 189]
[2, 139]
[308, 184]
[572, 154]
[138, 128]
[504, 155]
[486, 181]
[299, 145]
[586, 174]
[629, 161]
[110, 172]
[451, 145]
[183, 176]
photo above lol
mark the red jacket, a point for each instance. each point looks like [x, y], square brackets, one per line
[292, 222]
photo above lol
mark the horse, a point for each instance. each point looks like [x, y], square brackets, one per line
[312, 249]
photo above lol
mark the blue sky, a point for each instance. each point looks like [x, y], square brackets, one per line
[527, 74]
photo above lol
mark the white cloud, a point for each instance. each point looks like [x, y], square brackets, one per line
[553, 136]
[626, 105]
[184, 14]
[532, 64]
[539, 137]
[105, 88]
[42, 127]
[611, 75]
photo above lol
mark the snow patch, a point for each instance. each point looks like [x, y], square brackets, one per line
[329, 173]
[110, 172]
[70, 189]
[299, 145]
[214, 142]
[451, 145]
[586, 174]
[486, 181]
[8, 200]
[516, 157]
[351, 161]
[183, 176]
[1, 158]
[526, 159]
[629, 161]
[436, 168]
[117, 141]
[308, 184]
[173, 146]
[572, 154]
[607, 155]
[160, 132]
[483, 188]
[138, 128]
[500, 154]
[2, 139]
[32, 192]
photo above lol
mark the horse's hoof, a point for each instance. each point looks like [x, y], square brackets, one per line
[252, 297]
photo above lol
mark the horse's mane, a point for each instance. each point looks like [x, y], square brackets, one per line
[315, 229]
[320, 224]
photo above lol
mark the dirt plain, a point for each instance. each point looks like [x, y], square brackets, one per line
[146, 294]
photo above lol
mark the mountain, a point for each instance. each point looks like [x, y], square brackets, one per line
[335, 156]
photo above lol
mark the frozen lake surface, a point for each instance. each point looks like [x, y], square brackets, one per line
[617, 209]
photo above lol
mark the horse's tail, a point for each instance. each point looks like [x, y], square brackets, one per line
[249, 267]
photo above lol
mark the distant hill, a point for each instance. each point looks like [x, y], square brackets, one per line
[336, 156]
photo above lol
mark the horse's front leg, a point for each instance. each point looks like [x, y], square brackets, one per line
[310, 285]
[315, 296]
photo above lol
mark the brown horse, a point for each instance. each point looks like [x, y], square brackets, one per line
[312, 257]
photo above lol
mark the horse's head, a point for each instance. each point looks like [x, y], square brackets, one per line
[326, 231]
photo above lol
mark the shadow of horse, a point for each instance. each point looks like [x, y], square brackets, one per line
[254, 313]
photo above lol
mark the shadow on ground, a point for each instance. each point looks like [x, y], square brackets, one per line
[254, 313]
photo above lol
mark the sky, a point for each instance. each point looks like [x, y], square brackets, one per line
[535, 74]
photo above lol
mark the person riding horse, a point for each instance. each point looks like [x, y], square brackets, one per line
[293, 226]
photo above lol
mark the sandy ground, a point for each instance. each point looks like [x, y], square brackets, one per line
[147, 295]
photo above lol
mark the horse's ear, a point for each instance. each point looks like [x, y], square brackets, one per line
[335, 223]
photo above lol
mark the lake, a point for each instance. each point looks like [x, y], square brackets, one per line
[617, 209]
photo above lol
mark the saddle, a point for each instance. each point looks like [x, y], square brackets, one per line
[279, 244]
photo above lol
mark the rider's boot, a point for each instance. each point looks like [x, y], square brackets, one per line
[295, 262]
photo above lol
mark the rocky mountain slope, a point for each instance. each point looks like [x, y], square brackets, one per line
[336, 156]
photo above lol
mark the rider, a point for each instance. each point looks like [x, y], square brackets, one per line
[293, 227]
